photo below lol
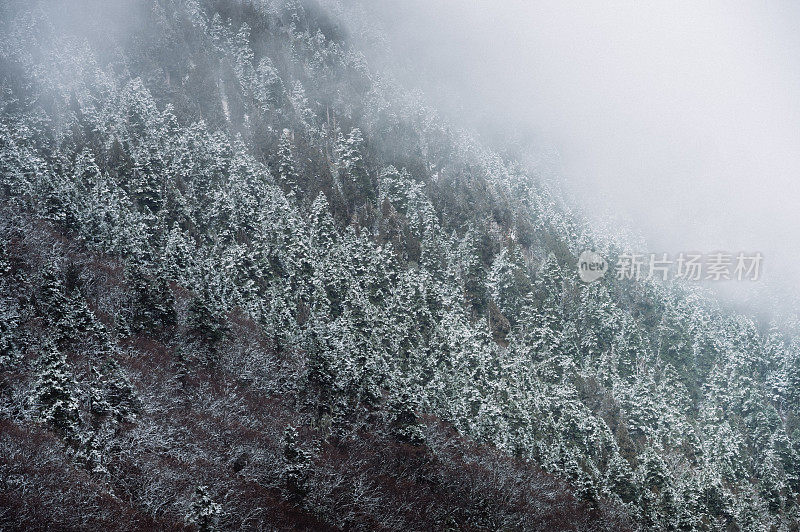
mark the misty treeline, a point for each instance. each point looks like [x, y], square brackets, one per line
[247, 281]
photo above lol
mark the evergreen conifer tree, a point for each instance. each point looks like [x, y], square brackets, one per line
[204, 513]
[205, 324]
[54, 393]
[286, 168]
[297, 464]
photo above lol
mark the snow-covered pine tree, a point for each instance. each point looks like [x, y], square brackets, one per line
[286, 169]
[297, 464]
[10, 348]
[152, 305]
[51, 296]
[508, 281]
[349, 154]
[405, 424]
[323, 228]
[54, 393]
[204, 322]
[541, 318]
[268, 90]
[204, 513]
[112, 392]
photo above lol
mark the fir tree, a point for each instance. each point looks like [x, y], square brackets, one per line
[204, 513]
[77, 323]
[52, 299]
[152, 304]
[10, 349]
[473, 272]
[204, 321]
[405, 424]
[286, 170]
[297, 464]
[5, 263]
[268, 91]
[349, 153]
[112, 392]
[620, 479]
[323, 228]
[179, 256]
[542, 317]
[54, 393]
[508, 282]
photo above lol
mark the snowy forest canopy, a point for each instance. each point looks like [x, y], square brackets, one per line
[249, 282]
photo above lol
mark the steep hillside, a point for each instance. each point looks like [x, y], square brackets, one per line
[135, 425]
[249, 280]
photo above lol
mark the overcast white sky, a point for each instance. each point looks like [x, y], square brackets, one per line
[683, 115]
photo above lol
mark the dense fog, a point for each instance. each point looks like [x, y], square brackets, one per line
[682, 118]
